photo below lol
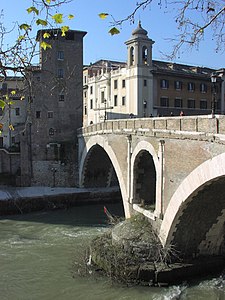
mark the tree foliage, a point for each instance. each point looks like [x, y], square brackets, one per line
[17, 56]
[193, 18]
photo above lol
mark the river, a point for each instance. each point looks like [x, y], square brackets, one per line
[41, 255]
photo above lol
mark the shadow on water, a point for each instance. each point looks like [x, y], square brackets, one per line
[83, 215]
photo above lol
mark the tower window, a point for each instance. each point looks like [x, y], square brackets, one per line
[145, 82]
[17, 110]
[51, 131]
[123, 100]
[61, 97]
[115, 84]
[38, 114]
[60, 55]
[144, 55]
[132, 56]
[50, 114]
[123, 83]
[60, 73]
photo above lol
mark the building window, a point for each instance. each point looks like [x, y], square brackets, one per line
[91, 90]
[115, 100]
[115, 84]
[218, 104]
[61, 97]
[38, 114]
[60, 73]
[51, 131]
[60, 55]
[164, 101]
[102, 96]
[123, 100]
[191, 103]
[145, 82]
[50, 114]
[123, 83]
[85, 110]
[17, 110]
[203, 88]
[164, 83]
[191, 86]
[91, 104]
[203, 104]
[4, 87]
[178, 102]
[178, 85]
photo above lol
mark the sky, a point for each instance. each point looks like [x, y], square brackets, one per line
[99, 44]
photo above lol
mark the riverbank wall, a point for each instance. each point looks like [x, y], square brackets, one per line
[29, 199]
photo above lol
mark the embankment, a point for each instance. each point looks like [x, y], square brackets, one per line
[25, 200]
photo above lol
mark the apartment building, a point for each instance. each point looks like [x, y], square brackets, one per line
[143, 87]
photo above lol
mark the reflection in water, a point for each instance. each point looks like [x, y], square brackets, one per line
[41, 253]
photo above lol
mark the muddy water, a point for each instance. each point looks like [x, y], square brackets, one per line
[41, 256]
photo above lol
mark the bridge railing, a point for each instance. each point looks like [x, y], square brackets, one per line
[197, 124]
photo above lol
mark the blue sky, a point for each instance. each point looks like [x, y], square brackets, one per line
[99, 44]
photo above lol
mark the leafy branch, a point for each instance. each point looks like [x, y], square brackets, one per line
[193, 18]
[18, 56]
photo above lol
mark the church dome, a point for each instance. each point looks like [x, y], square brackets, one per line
[139, 30]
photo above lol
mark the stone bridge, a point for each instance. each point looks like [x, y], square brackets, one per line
[170, 169]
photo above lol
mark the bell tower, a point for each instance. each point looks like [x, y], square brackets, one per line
[139, 67]
[139, 48]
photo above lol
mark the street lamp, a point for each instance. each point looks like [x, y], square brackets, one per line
[105, 113]
[213, 80]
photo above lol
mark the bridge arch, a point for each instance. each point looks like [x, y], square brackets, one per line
[99, 141]
[195, 217]
[145, 160]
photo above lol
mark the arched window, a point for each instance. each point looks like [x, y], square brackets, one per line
[132, 56]
[51, 131]
[144, 55]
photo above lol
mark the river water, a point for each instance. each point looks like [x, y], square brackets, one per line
[41, 255]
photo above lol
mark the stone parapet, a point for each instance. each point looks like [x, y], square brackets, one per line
[191, 127]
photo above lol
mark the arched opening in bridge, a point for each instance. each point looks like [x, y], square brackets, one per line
[99, 172]
[144, 180]
[98, 169]
[199, 228]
